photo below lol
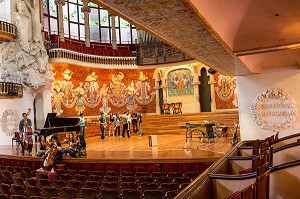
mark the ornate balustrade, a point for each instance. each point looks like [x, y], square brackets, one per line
[8, 31]
[111, 61]
[10, 89]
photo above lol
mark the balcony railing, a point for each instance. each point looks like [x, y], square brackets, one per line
[60, 53]
[10, 86]
[8, 31]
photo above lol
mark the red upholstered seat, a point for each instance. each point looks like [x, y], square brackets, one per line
[245, 171]
[235, 195]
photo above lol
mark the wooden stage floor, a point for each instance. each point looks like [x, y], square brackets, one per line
[170, 149]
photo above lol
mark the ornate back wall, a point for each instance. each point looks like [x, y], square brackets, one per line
[79, 89]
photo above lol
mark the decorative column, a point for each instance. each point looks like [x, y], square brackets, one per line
[86, 10]
[212, 93]
[113, 32]
[197, 96]
[61, 33]
[157, 97]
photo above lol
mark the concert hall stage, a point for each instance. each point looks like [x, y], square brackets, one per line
[130, 151]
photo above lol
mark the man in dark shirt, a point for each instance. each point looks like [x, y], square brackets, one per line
[102, 121]
[139, 120]
[134, 122]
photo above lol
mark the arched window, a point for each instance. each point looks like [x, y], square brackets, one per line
[99, 22]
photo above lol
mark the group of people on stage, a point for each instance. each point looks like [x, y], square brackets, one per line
[114, 122]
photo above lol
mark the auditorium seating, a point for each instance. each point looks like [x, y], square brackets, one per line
[98, 184]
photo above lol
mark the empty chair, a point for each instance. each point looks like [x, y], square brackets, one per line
[153, 194]
[130, 194]
[148, 186]
[127, 179]
[4, 196]
[30, 182]
[183, 185]
[17, 197]
[109, 185]
[160, 180]
[92, 185]
[139, 174]
[75, 184]
[6, 177]
[109, 193]
[27, 173]
[60, 171]
[128, 185]
[126, 173]
[33, 191]
[72, 172]
[142, 179]
[88, 193]
[95, 178]
[168, 187]
[10, 169]
[37, 197]
[174, 174]
[180, 180]
[4, 188]
[98, 173]
[171, 194]
[84, 172]
[68, 192]
[158, 174]
[44, 183]
[66, 177]
[18, 169]
[111, 173]
[41, 175]
[111, 179]
[192, 175]
[17, 189]
[50, 192]
[18, 180]
[59, 184]
[81, 178]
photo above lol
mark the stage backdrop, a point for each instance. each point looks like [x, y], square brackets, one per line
[79, 89]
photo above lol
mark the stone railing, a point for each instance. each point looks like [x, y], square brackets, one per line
[63, 55]
[8, 31]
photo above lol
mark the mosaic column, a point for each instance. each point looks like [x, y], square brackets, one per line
[86, 10]
[197, 96]
[113, 32]
[212, 93]
[60, 4]
[157, 98]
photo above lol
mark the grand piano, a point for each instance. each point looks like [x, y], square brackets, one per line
[55, 125]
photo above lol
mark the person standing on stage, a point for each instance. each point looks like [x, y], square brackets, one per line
[117, 124]
[111, 124]
[102, 121]
[82, 124]
[134, 122]
[125, 124]
[26, 137]
[139, 120]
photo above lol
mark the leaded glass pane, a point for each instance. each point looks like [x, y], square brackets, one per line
[46, 24]
[45, 7]
[52, 8]
[94, 17]
[117, 21]
[134, 35]
[66, 29]
[104, 18]
[105, 35]
[82, 32]
[94, 34]
[53, 26]
[74, 31]
[81, 15]
[93, 5]
[73, 1]
[65, 13]
[73, 12]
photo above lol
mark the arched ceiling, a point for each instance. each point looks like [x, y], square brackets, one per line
[234, 37]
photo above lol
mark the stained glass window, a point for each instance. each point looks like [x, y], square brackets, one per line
[45, 6]
[52, 8]
[53, 26]
[93, 5]
[74, 31]
[105, 37]
[73, 14]
[104, 18]
[94, 34]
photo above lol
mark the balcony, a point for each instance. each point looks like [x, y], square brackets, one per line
[10, 87]
[8, 31]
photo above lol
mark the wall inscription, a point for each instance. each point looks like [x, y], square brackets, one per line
[274, 109]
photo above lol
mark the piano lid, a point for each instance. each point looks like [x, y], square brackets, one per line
[53, 121]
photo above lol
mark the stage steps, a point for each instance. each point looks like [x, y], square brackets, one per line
[169, 123]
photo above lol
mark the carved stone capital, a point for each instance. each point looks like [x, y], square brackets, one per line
[86, 8]
[60, 2]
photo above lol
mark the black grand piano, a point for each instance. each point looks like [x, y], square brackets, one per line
[55, 124]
